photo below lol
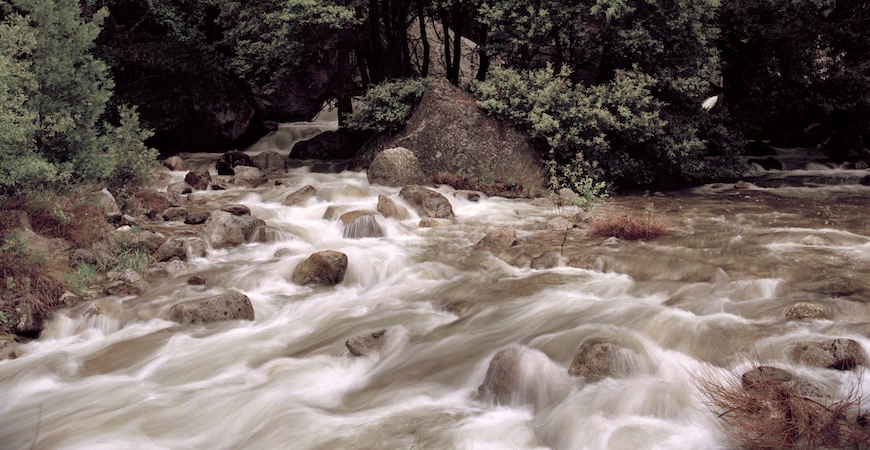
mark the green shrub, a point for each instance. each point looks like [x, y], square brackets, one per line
[386, 107]
[616, 132]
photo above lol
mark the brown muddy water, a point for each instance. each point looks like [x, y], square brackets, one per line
[708, 300]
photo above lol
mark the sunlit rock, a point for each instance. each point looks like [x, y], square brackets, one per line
[198, 179]
[840, 354]
[498, 240]
[175, 163]
[388, 208]
[326, 267]
[804, 310]
[129, 282]
[600, 360]
[300, 196]
[176, 267]
[367, 344]
[231, 305]
[229, 160]
[250, 177]
[395, 167]
[426, 202]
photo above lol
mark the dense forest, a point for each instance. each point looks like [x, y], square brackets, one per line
[609, 90]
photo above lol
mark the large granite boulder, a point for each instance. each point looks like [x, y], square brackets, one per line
[396, 167]
[600, 360]
[426, 202]
[231, 305]
[329, 145]
[448, 132]
[841, 354]
[326, 267]
[223, 229]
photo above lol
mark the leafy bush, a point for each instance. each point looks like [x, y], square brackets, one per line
[54, 93]
[616, 132]
[386, 107]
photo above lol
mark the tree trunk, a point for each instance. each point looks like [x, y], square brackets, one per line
[421, 16]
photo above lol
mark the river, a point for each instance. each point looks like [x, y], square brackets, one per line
[707, 301]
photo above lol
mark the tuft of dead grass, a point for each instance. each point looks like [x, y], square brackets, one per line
[764, 412]
[629, 227]
[488, 187]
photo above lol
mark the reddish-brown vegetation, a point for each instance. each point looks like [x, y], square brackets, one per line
[629, 227]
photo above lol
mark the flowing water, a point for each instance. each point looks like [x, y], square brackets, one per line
[707, 301]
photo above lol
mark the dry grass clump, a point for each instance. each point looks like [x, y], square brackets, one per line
[629, 226]
[768, 413]
[28, 272]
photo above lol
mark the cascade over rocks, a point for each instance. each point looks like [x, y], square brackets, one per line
[395, 167]
[361, 224]
[840, 354]
[229, 160]
[447, 132]
[326, 267]
[231, 305]
[426, 202]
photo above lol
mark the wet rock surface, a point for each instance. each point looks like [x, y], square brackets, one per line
[325, 268]
[231, 305]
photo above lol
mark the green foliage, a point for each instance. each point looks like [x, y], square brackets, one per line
[386, 107]
[132, 258]
[613, 132]
[56, 92]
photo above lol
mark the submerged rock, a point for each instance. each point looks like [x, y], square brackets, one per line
[367, 344]
[426, 202]
[231, 305]
[502, 376]
[600, 360]
[326, 267]
[804, 310]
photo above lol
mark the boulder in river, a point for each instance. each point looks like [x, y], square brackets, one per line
[388, 208]
[502, 376]
[329, 145]
[767, 378]
[270, 161]
[600, 360]
[426, 202]
[223, 229]
[229, 160]
[361, 224]
[395, 167]
[804, 310]
[840, 354]
[498, 240]
[249, 177]
[175, 214]
[171, 248]
[326, 267]
[175, 163]
[198, 179]
[231, 305]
